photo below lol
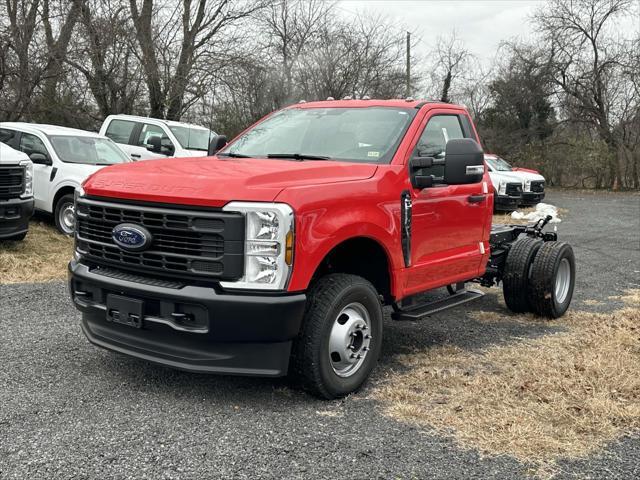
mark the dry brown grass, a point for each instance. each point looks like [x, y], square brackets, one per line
[559, 396]
[41, 257]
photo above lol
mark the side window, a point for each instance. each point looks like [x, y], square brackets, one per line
[433, 141]
[9, 137]
[31, 144]
[120, 131]
[149, 131]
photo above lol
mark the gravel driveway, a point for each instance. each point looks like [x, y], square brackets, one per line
[71, 410]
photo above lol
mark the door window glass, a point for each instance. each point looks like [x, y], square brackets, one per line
[434, 138]
[9, 137]
[31, 144]
[120, 131]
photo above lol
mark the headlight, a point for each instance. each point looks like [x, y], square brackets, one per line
[268, 246]
[526, 186]
[28, 179]
[502, 188]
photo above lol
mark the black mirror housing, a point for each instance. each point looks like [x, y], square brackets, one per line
[216, 144]
[154, 144]
[40, 159]
[464, 162]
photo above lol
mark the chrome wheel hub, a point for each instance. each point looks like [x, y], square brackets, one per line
[350, 339]
[563, 280]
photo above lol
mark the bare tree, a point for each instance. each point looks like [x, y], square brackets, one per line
[584, 60]
[451, 60]
[201, 21]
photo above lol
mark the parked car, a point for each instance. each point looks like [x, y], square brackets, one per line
[146, 138]
[532, 182]
[278, 254]
[16, 193]
[62, 159]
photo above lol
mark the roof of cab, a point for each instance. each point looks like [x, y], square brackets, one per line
[49, 129]
[137, 118]
[361, 103]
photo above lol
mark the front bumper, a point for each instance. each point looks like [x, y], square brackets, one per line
[531, 198]
[14, 216]
[506, 203]
[224, 333]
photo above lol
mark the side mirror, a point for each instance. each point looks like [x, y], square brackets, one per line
[40, 159]
[464, 162]
[216, 144]
[418, 163]
[154, 144]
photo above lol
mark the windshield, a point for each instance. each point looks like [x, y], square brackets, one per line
[87, 150]
[498, 164]
[193, 138]
[366, 135]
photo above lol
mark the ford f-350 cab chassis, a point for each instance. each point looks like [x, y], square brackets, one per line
[277, 255]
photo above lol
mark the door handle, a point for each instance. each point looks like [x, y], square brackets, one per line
[135, 155]
[476, 198]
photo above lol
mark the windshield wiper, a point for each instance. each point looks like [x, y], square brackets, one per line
[234, 155]
[297, 156]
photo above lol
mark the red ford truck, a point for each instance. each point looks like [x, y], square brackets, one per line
[277, 255]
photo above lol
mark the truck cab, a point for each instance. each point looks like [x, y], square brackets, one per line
[277, 255]
[145, 138]
[16, 193]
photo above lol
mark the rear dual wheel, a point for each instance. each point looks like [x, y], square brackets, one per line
[539, 277]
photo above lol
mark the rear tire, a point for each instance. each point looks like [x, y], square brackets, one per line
[64, 215]
[341, 336]
[552, 281]
[515, 279]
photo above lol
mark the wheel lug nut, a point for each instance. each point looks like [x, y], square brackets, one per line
[368, 337]
[365, 349]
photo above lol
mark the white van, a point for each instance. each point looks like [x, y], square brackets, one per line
[146, 138]
[62, 159]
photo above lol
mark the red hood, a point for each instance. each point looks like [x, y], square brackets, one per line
[215, 182]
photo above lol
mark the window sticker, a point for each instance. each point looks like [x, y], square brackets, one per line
[373, 154]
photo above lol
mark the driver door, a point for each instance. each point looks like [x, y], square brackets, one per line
[42, 174]
[447, 220]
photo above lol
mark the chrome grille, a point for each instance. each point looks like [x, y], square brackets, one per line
[186, 243]
[11, 181]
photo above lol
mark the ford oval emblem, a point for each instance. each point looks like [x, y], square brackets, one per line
[129, 236]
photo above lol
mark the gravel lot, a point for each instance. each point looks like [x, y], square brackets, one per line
[70, 410]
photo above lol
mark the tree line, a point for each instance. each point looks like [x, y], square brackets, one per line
[566, 102]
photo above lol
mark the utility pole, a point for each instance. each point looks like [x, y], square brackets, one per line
[408, 64]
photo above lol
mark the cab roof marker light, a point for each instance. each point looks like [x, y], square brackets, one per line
[330, 99]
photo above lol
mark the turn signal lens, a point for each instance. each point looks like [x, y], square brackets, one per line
[288, 252]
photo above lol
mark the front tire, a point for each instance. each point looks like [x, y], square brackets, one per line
[16, 238]
[341, 336]
[64, 214]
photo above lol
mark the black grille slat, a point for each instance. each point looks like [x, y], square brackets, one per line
[185, 243]
[513, 189]
[537, 186]
[11, 182]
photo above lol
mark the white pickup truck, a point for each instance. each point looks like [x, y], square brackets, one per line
[16, 193]
[62, 159]
[146, 138]
[513, 188]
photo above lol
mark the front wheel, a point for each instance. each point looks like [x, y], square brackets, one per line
[64, 214]
[341, 337]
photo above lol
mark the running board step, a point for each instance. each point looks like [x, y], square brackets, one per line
[421, 310]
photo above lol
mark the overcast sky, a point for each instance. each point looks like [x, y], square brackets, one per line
[481, 24]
